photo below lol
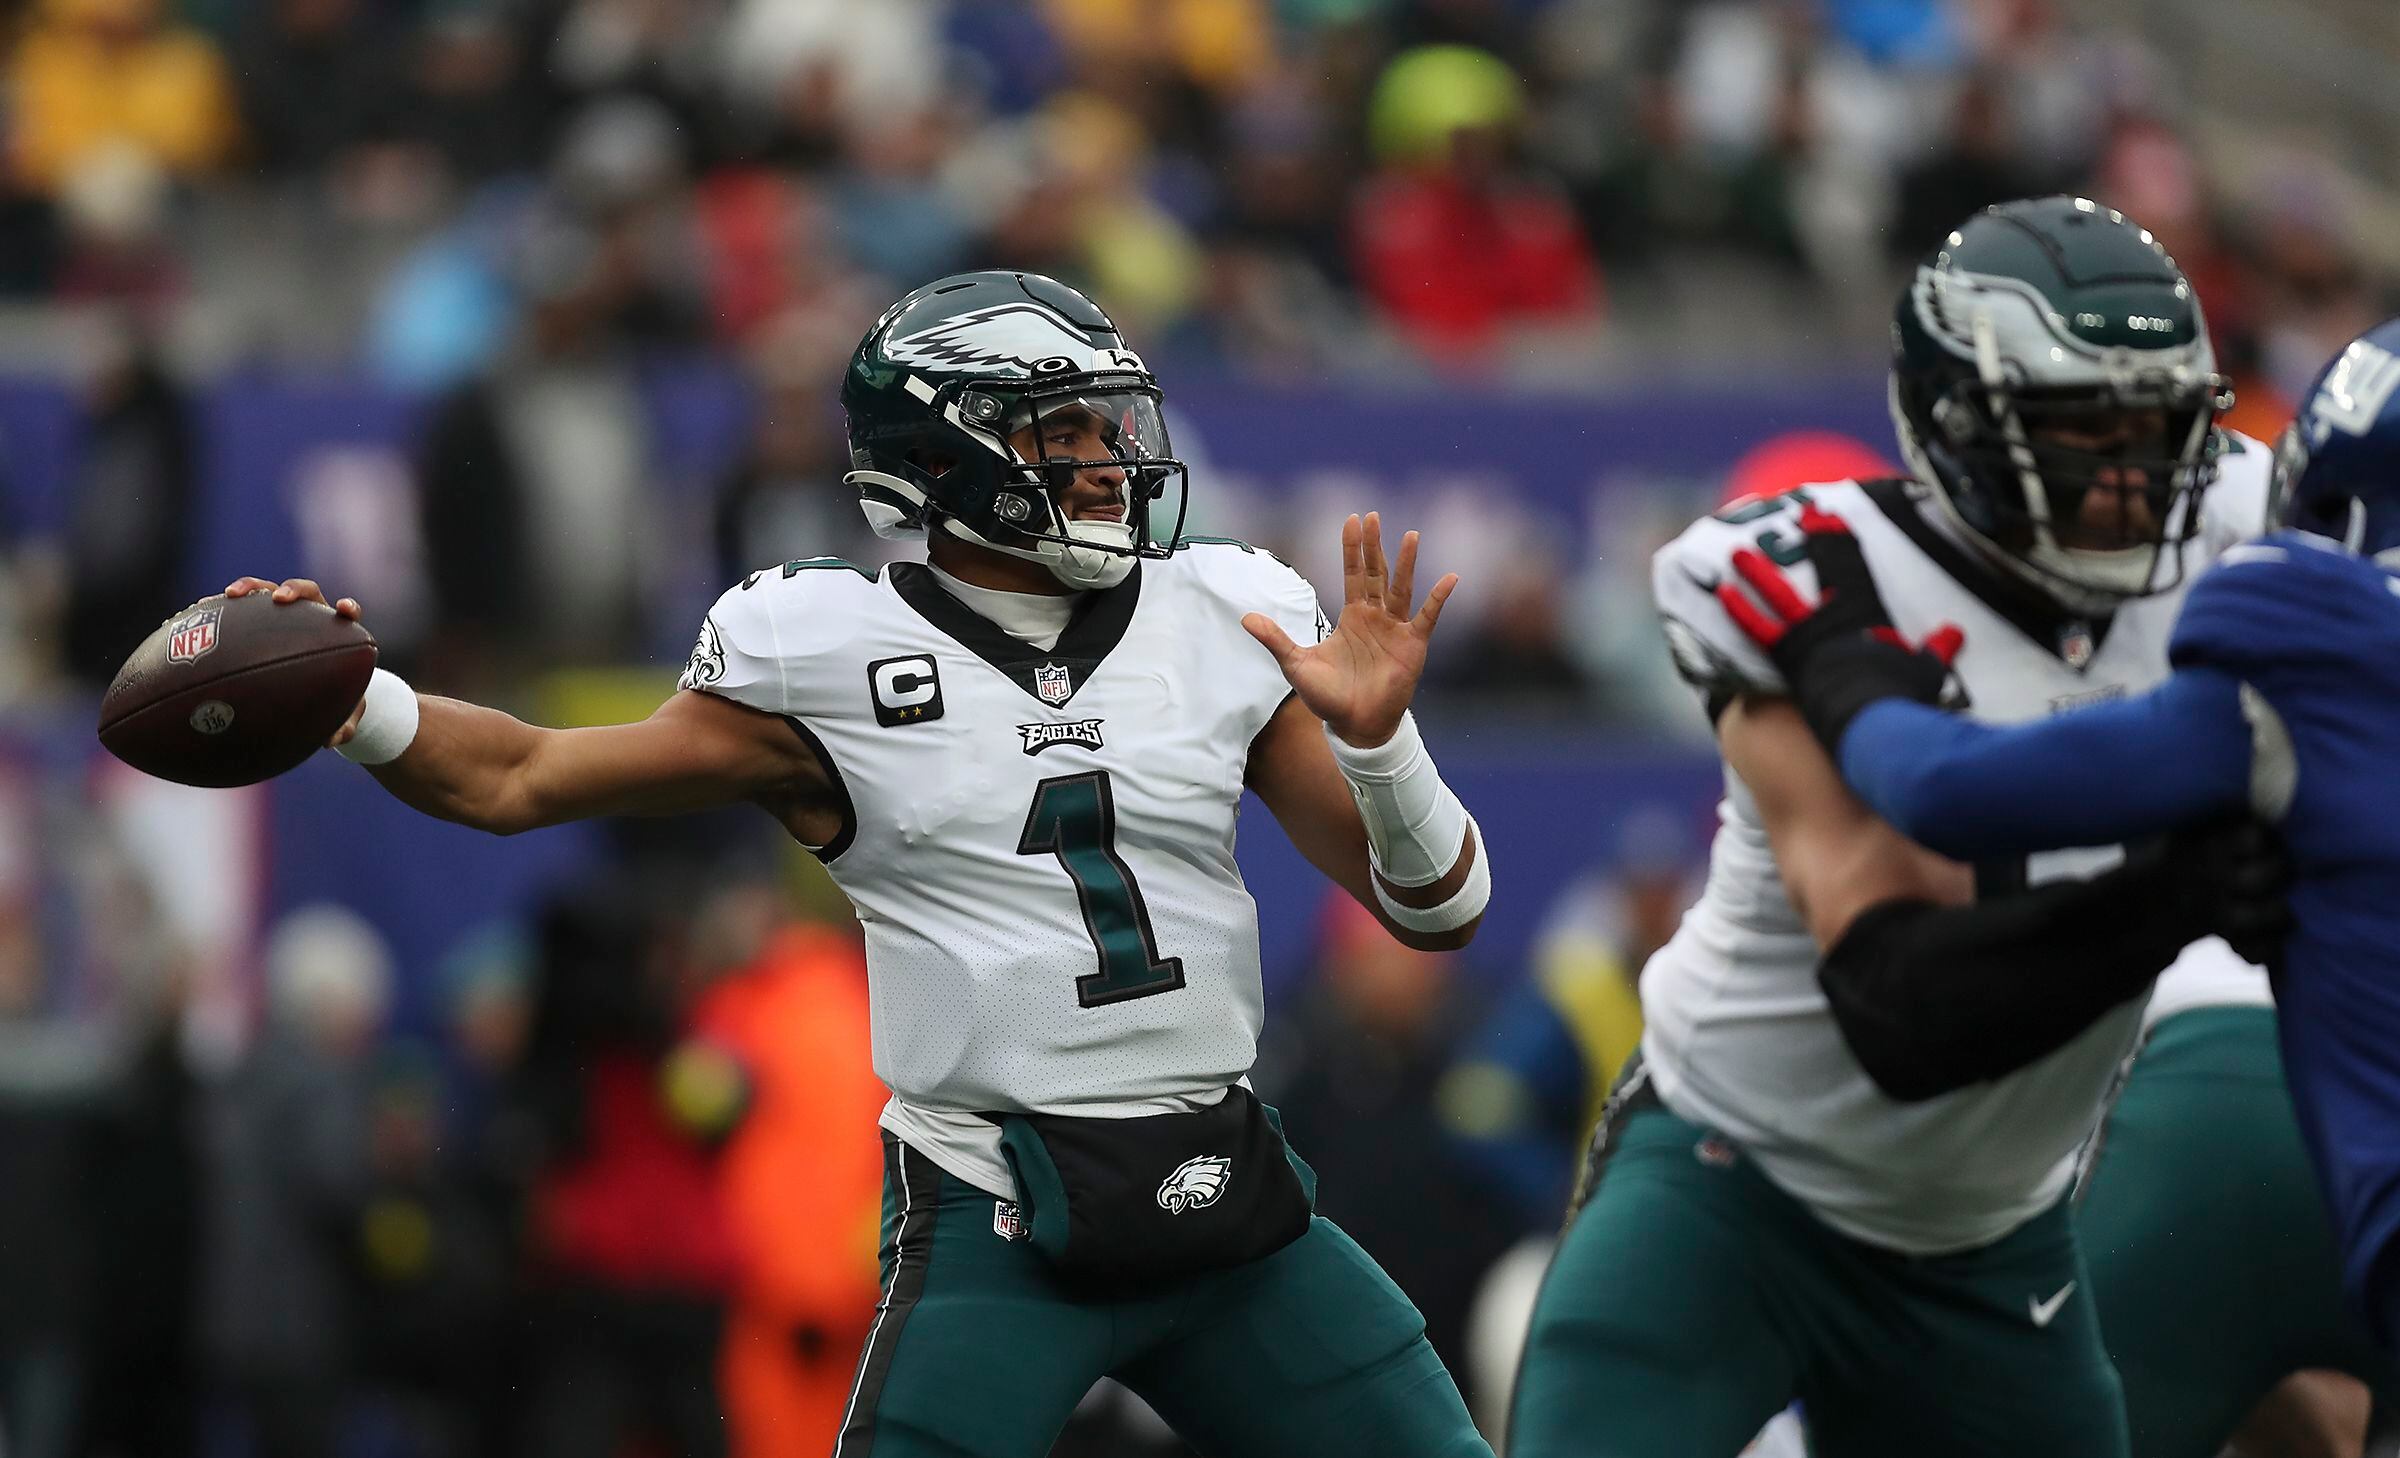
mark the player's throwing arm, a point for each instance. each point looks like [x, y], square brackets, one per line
[480, 767]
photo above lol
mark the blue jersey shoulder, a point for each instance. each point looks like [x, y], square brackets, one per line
[2283, 599]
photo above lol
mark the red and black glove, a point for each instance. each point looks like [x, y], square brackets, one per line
[1841, 653]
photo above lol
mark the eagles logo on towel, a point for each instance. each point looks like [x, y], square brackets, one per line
[1196, 1183]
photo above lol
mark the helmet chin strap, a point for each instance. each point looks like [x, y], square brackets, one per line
[1086, 569]
[1092, 567]
[1104, 565]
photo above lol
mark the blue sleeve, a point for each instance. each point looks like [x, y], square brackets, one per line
[2276, 604]
[2113, 772]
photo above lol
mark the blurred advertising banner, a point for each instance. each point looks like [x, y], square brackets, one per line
[315, 475]
[318, 477]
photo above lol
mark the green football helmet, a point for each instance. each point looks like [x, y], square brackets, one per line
[942, 396]
[2056, 317]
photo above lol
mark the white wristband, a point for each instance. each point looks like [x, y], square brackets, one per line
[1464, 905]
[388, 723]
[1414, 822]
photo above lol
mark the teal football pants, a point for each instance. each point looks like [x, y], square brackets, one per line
[1692, 1299]
[2212, 1258]
[976, 1352]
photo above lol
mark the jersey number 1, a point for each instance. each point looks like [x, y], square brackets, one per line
[1074, 818]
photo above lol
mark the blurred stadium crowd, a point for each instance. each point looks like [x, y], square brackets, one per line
[606, 1167]
[1364, 186]
[523, 215]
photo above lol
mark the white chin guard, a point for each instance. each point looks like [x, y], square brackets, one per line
[1088, 567]
[1082, 568]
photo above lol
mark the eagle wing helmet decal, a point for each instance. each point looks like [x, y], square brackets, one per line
[1019, 335]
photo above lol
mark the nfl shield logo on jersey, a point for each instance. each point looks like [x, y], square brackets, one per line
[2075, 645]
[194, 636]
[1051, 684]
[1196, 1183]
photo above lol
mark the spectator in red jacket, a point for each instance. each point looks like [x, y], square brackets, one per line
[1452, 243]
[634, 1255]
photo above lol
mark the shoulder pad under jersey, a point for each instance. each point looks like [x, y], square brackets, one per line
[770, 620]
[2234, 508]
[2280, 600]
[1252, 579]
[1710, 652]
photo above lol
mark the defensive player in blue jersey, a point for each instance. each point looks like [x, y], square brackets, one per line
[2285, 702]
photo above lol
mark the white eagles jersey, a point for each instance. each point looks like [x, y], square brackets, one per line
[1038, 844]
[1738, 1032]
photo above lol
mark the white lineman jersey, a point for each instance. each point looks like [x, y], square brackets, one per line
[1738, 1033]
[1038, 844]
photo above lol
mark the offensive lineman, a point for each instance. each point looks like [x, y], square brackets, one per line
[2282, 704]
[1022, 759]
[1786, 1197]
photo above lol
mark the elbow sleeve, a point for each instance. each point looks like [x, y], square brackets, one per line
[1933, 999]
[1865, 978]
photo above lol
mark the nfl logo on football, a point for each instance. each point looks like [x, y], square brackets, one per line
[1051, 685]
[193, 636]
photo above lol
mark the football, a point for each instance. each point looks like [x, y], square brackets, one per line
[234, 691]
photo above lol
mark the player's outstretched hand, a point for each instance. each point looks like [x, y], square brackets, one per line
[300, 589]
[1360, 679]
[1841, 652]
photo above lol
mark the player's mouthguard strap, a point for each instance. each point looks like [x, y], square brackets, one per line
[1415, 825]
[387, 725]
[1463, 905]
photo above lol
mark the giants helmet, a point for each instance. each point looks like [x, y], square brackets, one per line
[2337, 470]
